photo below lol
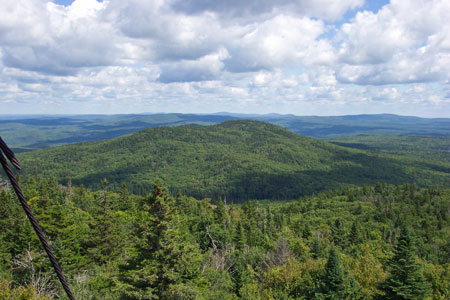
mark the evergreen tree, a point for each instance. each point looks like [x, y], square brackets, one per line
[269, 220]
[103, 244]
[124, 198]
[162, 258]
[338, 232]
[316, 249]
[240, 238]
[306, 233]
[10, 225]
[406, 280]
[336, 285]
[355, 235]
[334, 277]
[220, 212]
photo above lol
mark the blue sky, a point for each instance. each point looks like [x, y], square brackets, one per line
[305, 57]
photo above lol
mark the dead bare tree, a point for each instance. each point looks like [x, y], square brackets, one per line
[40, 281]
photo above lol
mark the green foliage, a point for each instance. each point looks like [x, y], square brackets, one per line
[336, 284]
[406, 280]
[161, 257]
[19, 293]
[236, 160]
[25, 133]
[333, 244]
[334, 278]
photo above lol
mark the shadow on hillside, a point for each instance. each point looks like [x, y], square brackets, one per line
[348, 169]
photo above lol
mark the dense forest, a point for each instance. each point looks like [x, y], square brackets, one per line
[30, 132]
[431, 148]
[371, 242]
[193, 212]
[238, 160]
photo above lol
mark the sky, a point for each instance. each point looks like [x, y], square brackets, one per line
[302, 57]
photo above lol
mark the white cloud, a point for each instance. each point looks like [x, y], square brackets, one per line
[376, 37]
[405, 42]
[254, 9]
[224, 55]
[207, 67]
[279, 42]
[49, 38]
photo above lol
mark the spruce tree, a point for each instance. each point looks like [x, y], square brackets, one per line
[334, 277]
[336, 284]
[316, 249]
[338, 232]
[406, 280]
[355, 236]
[162, 258]
[240, 238]
[306, 233]
[220, 212]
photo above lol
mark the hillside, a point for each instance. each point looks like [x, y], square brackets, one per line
[430, 148]
[236, 159]
[30, 132]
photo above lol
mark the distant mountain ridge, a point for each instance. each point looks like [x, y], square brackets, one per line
[236, 159]
[26, 133]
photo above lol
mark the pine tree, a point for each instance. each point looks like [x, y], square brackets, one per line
[103, 244]
[334, 277]
[338, 233]
[306, 233]
[124, 198]
[220, 212]
[336, 283]
[406, 280]
[240, 238]
[355, 236]
[162, 258]
[316, 249]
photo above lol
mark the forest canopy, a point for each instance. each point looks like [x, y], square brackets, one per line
[342, 244]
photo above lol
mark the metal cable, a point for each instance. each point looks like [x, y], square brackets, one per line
[10, 155]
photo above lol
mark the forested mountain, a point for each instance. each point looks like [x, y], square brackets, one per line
[433, 148]
[26, 133]
[29, 132]
[238, 160]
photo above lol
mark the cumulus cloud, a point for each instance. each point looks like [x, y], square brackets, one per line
[251, 9]
[279, 42]
[404, 42]
[53, 39]
[261, 55]
[162, 34]
[208, 67]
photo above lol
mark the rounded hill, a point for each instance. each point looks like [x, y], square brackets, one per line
[236, 159]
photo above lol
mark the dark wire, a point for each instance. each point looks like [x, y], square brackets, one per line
[10, 155]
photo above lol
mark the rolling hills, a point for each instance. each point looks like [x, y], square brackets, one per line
[29, 132]
[431, 148]
[238, 160]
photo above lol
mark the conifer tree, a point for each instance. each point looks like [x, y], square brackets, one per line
[355, 236]
[124, 199]
[334, 277]
[240, 238]
[406, 280]
[162, 258]
[336, 284]
[338, 231]
[269, 220]
[103, 227]
[220, 212]
[9, 225]
[316, 249]
[306, 233]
